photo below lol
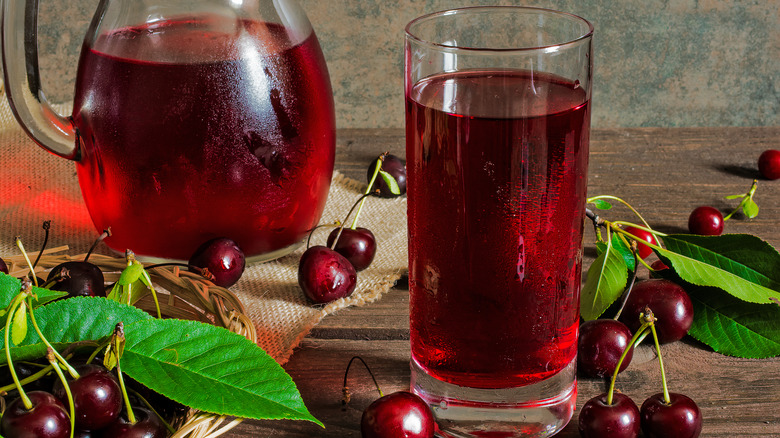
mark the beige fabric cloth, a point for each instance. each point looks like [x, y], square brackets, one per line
[36, 186]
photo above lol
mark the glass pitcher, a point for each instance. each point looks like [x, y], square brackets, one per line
[192, 119]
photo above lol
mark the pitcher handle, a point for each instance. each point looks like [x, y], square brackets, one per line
[42, 123]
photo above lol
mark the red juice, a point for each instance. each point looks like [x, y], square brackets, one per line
[497, 168]
[190, 133]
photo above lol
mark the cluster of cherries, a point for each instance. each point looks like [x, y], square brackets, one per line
[98, 406]
[329, 272]
[99, 397]
[605, 346]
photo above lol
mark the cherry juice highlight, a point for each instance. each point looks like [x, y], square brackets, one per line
[204, 127]
[497, 166]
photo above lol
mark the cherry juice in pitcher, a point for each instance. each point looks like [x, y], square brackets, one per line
[234, 128]
[496, 202]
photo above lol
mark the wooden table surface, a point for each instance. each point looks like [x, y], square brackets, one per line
[664, 173]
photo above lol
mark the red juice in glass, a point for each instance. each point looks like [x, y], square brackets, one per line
[497, 164]
[190, 133]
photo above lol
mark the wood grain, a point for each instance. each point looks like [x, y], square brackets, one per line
[663, 173]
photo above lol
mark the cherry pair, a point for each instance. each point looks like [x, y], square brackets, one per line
[327, 273]
[666, 414]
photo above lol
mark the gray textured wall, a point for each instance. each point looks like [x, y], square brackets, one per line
[657, 62]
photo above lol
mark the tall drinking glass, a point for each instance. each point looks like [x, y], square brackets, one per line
[497, 128]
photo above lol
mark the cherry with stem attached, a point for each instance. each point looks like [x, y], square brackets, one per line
[393, 176]
[612, 414]
[708, 221]
[79, 278]
[400, 414]
[325, 275]
[668, 414]
[357, 244]
[601, 342]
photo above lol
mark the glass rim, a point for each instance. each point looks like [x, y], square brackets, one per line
[469, 9]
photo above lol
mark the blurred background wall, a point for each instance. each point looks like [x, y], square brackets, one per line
[662, 63]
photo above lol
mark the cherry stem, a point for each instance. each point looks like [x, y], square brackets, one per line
[17, 301]
[747, 196]
[51, 357]
[345, 389]
[97, 351]
[308, 239]
[103, 235]
[130, 414]
[46, 227]
[597, 222]
[62, 274]
[336, 240]
[29, 379]
[615, 198]
[630, 345]
[630, 285]
[27, 259]
[377, 168]
[667, 399]
[153, 410]
[54, 352]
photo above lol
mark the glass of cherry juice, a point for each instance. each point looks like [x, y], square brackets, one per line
[497, 133]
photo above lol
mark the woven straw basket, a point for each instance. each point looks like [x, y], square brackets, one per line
[183, 295]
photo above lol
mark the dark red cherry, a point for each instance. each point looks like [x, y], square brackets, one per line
[601, 420]
[3, 266]
[769, 164]
[47, 419]
[83, 279]
[669, 302]
[396, 167]
[358, 246]
[223, 259]
[147, 425]
[325, 275]
[706, 221]
[643, 250]
[600, 345]
[400, 414]
[679, 419]
[97, 397]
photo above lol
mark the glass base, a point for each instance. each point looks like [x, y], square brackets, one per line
[538, 410]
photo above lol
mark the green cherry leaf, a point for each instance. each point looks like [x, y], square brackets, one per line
[211, 369]
[604, 283]
[391, 182]
[735, 196]
[10, 286]
[734, 327]
[750, 208]
[601, 204]
[75, 319]
[741, 264]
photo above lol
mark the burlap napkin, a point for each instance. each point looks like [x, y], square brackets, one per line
[36, 186]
